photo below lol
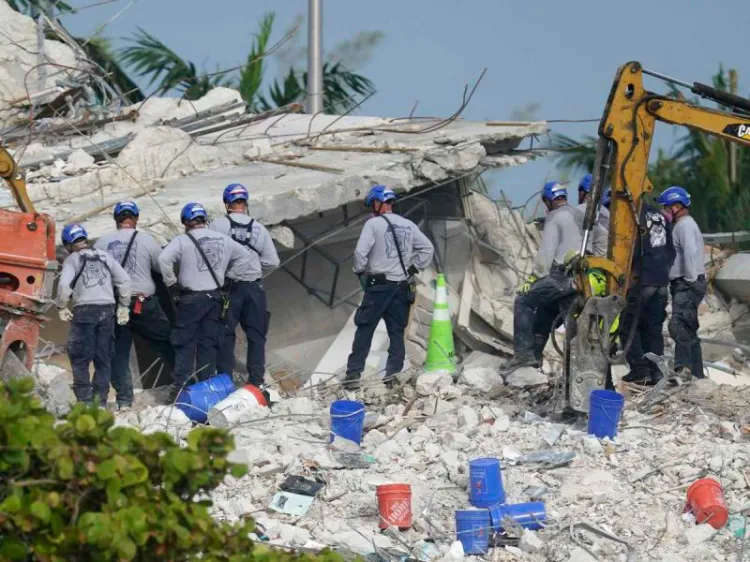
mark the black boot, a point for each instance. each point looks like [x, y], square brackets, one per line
[636, 377]
[351, 382]
[519, 361]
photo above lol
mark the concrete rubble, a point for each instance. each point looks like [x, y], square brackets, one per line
[632, 488]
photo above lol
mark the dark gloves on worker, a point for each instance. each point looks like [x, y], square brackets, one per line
[412, 270]
[176, 291]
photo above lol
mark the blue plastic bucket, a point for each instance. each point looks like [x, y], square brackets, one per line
[605, 409]
[197, 399]
[347, 419]
[529, 515]
[486, 481]
[473, 530]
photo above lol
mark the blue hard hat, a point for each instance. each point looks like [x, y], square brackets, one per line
[380, 193]
[235, 192]
[674, 194]
[607, 198]
[73, 232]
[126, 207]
[192, 211]
[554, 189]
[585, 183]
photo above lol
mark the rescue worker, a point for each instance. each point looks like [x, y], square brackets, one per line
[584, 188]
[647, 297]
[390, 250]
[246, 294]
[600, 233]
[90, 278]
[548, 290]
[138, 253]
[203, 257]
[687, 283]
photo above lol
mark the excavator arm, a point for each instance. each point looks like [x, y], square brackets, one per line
[16, 180]
[625, 135]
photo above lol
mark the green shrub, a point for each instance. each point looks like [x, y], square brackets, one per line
[82, 490]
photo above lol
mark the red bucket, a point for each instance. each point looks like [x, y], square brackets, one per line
[705, 499]
[394, 502]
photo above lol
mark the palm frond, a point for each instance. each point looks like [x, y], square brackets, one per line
[251, 75]
[572, 155]
[148, 56]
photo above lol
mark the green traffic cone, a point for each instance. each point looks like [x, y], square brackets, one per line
[440, 351]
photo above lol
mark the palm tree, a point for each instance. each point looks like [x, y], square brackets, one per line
[149, 57]
[34, 7]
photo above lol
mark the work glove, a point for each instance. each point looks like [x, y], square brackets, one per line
[362, 281]
[176, 291]
[123, 315]
[412, 270]
[526, 285]
[65, 314]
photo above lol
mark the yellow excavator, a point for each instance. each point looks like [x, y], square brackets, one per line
[625, 134]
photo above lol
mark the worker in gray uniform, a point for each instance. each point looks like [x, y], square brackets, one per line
[600, 236]
[245, 284]
[548, 291]
[203, 257]
[138, 253]
[389, 252]
[687, 283]
[89, 278]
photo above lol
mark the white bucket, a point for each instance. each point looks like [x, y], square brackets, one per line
[243, 405]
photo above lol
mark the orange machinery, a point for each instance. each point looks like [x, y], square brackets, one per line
[27, 268]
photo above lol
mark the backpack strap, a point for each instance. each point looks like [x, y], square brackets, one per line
[246, 227]
[85, 259]
[395, 243]
[127, 250]
[205, 260]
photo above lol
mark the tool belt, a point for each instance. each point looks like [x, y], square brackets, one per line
[379, 279]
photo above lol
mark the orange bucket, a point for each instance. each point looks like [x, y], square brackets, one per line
[394, 502]
[705, 499]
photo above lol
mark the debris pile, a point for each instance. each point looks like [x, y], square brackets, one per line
[424, 434]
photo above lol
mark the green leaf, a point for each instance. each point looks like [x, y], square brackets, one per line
[238, 470]
[41, 511]
[126, 549]
[11, 504]
[106, 469]
[65, 468]
[85, 424]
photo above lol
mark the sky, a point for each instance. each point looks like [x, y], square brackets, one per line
[561, 55]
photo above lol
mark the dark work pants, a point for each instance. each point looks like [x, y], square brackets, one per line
[248, 308]
[152, 325]
[91, 338]
[647, 319]
[391, 303]
[535, 312]
[198, 332]
[683, 326]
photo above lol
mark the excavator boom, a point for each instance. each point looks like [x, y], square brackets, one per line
[626, 131]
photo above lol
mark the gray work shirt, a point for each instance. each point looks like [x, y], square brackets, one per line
[688, 245]
[376, 252]
[221, 252]
[263, 256]
[599, 239]
[142, 259]
[95, 284]
[562, 233]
